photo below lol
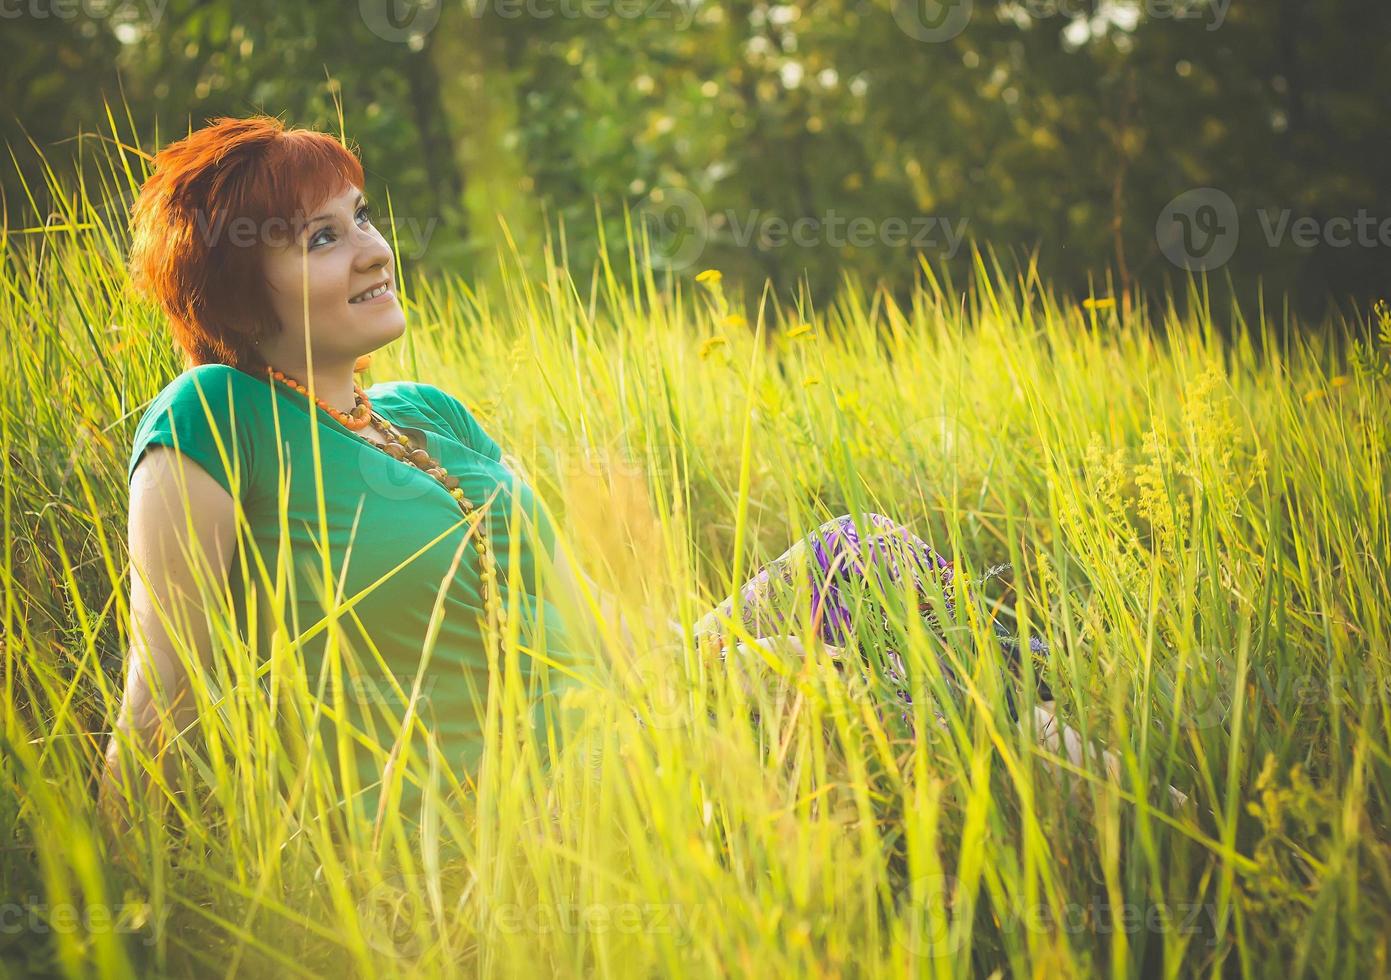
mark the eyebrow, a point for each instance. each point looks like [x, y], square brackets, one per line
[361, 199]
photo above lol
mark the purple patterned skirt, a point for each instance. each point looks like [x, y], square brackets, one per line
[832, 567]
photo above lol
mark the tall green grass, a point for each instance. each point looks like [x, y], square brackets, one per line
[1197, 525]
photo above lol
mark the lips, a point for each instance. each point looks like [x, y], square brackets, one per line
[371, 293]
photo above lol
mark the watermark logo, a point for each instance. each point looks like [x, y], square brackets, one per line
[927, 919]
[400, 21]
[653, 681]
[397, 480]
[1198, 230]
[933, 21]
[676, 228]
[391, 913]
[1197, 688]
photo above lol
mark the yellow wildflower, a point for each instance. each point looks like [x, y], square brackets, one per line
[711, 276]
[1339, 381]
[1314, 395]
[709, 346]
[799, 330]
[1101, 303]
[735, 321]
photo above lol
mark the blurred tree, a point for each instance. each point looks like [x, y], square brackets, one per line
[1060, 128]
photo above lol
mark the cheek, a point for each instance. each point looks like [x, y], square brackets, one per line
[326, 286]
[283, 293]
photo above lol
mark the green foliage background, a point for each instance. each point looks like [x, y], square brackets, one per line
[1060, 127]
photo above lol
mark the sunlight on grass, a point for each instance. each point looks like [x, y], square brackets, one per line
[1202, 545]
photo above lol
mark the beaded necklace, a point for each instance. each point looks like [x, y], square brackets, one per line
[399, 447]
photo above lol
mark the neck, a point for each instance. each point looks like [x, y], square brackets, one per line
[331, 382]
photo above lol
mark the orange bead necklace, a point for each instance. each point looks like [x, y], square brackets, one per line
[398, 446]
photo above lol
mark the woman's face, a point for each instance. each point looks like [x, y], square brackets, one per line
[329, 266]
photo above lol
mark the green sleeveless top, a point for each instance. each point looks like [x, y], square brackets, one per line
[392, 534]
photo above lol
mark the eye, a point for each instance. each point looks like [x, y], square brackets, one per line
[364, 215]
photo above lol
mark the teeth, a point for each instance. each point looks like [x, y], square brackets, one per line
[370, 294]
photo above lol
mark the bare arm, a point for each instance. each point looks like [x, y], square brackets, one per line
[1052, 735]
[577, 583]
[180, 519]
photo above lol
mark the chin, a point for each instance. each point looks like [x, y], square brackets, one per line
[381, 334]
[396, 331]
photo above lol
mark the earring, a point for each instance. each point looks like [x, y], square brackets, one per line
[362, 363]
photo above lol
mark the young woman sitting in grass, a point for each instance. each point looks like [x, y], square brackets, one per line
[391, 502]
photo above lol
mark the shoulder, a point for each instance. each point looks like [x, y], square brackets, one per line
[411, 391]
[424, 395]
[421, 392]
[207, 393]
[217, 374]
[448, 409]
[210, 413]
[216, 384]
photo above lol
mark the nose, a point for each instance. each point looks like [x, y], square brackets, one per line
[372, 249]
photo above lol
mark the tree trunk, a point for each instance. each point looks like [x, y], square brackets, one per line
[479, 100]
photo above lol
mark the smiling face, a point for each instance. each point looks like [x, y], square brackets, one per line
[336, 267]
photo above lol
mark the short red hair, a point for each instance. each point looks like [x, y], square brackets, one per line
[213, 199]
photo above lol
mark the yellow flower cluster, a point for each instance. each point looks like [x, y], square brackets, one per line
[711, 345]
[1334, 383]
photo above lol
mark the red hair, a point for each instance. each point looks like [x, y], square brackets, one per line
[214, 198]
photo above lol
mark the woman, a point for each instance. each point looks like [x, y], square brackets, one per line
[258, 243]
[272, 291]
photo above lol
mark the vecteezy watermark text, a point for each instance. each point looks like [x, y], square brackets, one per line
[409, 21]
[397, 920]
[412, 235]
[1213, 13]
[35, 916]
[677, 11]
[839, 231]
[938, 21]
[1199, 230]
[678, 228]
[87, 9]
[574, 918]
[932, 917]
